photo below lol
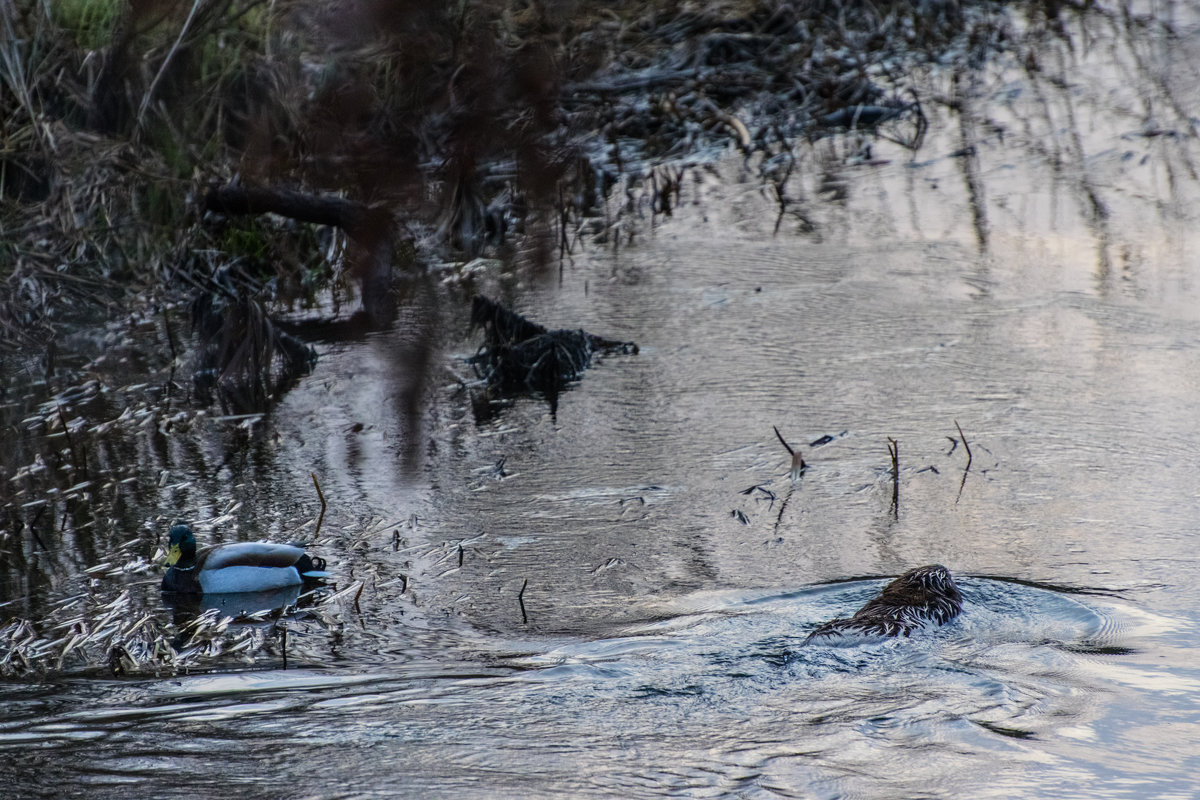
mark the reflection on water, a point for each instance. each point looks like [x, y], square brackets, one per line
[232, 604]
[592, 604]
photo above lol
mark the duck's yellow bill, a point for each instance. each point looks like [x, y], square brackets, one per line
[173, 555]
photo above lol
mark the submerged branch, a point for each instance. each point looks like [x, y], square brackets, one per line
[519, 355]
[353, 217]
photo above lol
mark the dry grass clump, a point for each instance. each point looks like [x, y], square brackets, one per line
[88, 635]
[239, 345]
[110, 111]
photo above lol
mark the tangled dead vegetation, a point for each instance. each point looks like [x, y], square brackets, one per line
[239, 346]
[475, 124]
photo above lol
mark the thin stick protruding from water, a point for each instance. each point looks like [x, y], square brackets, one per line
[894, 451]
[966, 444]
[967, 468]
[320, 495]
[521, 600]
[170, 336]
[70, 442]
[798, 465]
[32, 526]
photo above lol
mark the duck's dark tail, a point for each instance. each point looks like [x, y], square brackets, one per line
[311, 568]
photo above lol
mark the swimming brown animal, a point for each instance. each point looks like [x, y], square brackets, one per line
[920, 597]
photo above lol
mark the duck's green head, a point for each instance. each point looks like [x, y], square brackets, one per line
[181, 545]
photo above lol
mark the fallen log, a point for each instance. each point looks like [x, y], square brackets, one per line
[371, 230]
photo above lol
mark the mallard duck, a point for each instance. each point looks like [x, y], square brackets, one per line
[238, 567]
[921, 596]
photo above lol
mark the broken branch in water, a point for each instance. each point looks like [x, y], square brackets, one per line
[798, 465]
[351, 216]
[967, 468]
[894, 451]
[521, 355]
[521, 600]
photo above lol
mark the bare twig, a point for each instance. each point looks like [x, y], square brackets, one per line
[71, 443]
[798, 465]
[783, 507]
[521, 600]
[321, 495]
[170, 336]
[967, 468]
[783, 442]
[32, 526]
[894, 451]
[966, 444]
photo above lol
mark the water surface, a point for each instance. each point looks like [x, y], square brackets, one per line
[591, 604]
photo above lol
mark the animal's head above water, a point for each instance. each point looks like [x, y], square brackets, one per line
[181, 546]
[925, 593]
[933, 580]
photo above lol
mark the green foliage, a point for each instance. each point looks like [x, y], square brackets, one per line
[89, 22]
[247, 239]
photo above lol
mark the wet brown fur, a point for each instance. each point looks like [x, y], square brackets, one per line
[921, 596]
